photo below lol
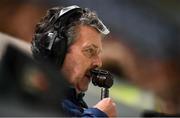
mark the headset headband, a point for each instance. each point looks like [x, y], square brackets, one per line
[103, 29]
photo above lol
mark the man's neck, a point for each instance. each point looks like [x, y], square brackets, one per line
[77, 91]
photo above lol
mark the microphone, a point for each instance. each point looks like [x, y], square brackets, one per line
[103, 79]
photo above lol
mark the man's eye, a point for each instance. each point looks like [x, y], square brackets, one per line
[89, 52]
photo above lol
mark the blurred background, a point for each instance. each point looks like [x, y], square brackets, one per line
[142, 50]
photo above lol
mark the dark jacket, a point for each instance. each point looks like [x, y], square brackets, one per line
[74, 106]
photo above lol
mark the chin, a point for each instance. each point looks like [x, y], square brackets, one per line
[82, 88]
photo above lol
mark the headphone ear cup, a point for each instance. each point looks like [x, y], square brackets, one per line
[49, 47]
[41, 47]
[59, 50]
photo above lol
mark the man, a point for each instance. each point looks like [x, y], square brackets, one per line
[70, 38]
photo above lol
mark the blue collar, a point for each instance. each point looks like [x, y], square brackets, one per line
[76, 98]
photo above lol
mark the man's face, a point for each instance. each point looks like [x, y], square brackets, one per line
[82, 56]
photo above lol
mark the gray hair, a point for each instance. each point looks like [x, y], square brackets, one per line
[88, 18]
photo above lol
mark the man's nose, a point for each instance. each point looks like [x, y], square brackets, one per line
[97, 61]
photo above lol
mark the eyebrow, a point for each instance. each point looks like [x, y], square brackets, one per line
[94, 46]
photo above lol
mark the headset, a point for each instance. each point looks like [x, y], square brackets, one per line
[51, 46]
